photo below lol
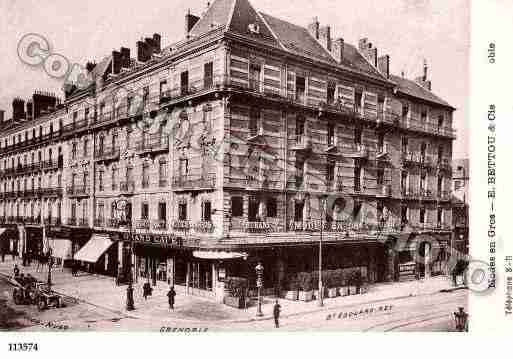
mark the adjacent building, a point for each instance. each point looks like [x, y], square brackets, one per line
[461, 178]
[244, 142]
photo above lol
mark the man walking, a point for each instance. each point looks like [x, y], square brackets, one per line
[171, 297]
[147, 289]
[276, 314]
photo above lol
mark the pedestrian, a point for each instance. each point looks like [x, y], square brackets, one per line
[147, 289]
[276, 314]
[171, 297]
[3, 256]
[16, 271]
[74, 268]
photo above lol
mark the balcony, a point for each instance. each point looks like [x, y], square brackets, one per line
[77, 191]
[153, 145]
[159, 225]
[74, 127]
[356, 150]
[49, 165]
[407, 193]
[426, 194]
[302, 143]
[261, 183]
[204, 227]
[142, 224]
[383, 153]
[181, 225]
[444, 164]
[384, 190]
[99, 222]
[190, 182]
[106, 154]
[444, 195]
[50, 192]
[127, 187]
[410, 159]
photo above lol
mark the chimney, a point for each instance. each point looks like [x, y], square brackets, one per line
[325, 36]
[125, 57]
[384, 65]
[423, 80]
[313, 28]
[30, 111]
[116, 62]
[142, 51]
[368, 51]
[190, 21]
[43, 102]
[18, 109]
[156, 42]
[338, 49]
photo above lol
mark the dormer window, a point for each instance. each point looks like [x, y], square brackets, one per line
[254, 28]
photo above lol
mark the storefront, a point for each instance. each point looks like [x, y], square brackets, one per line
[99, 254]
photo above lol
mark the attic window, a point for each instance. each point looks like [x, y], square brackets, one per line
[254, 28]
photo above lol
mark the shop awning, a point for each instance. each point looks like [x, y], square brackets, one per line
[61, 248]
[94, 248]
[2, 230]
[219, 255]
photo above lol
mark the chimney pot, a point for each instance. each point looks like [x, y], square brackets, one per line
[325, 36]
[384, 65]
[313, 28]
[338, 49]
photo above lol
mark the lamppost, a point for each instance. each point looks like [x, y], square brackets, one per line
[259, 269]
[322, 203]
[122, 208]
[50, 264]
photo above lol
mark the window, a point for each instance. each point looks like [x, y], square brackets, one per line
[330, 93]
[298, 211]
[440, 152]
[357, 178]
[101, 211]
[162, 173]
[330, 172]
[458, 184]
[114, 141]
[422, 216]
[208, 74]
[300, 169]
[358, 136]
[300, 88]
[381, 105]
[439, 216]
[358, 101]
[86, 178]
[404, 215]
[184, 82]
[163, 88]
[404, 145]
[145, 175]
[272, 208]
[144, 211]
[237, 207]
[184, 167]
[440, 120]
[380, 180]
[182, 211]
[331, 134]
[405, 111]
[75, 117]
[254, 77]
[86, 114]
[439, 184]
[102, 109]
[206, 212]
[423, 116]
[86, 146]
[423, 148]
[162, 211]
[254, 119]
[404, 180]
[146, 96]
[381, 142]
[114, 178]
[423, 182]
[357, 206]
[74, 150]
[100, 180]
[129, 101]
[300, 128]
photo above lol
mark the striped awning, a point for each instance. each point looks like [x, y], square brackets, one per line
[94, 248]
[2, 230]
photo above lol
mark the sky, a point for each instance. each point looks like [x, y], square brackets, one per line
[408, 30]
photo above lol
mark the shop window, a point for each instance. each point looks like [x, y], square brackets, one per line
[182, 211]
[237, 207]
[272, 208]
[206, 211]
[422, 217]
[253, 210]
[356, 210]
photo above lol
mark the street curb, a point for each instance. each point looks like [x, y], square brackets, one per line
[129, 315]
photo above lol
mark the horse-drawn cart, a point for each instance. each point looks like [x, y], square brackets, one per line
[34, 292]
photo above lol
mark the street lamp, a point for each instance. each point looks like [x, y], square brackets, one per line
[323, 211]
[50, 264]
[259, 269]
[121, 206]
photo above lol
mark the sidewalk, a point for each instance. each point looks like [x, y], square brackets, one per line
[102, 292]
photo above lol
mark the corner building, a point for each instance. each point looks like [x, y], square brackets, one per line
[243, 143]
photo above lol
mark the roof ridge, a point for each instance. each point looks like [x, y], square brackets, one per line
[259, 13]
[230, 16]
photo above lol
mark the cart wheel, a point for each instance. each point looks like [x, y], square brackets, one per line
[59, 303]
[41, 304]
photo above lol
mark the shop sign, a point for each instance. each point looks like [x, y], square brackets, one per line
[163, 240]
